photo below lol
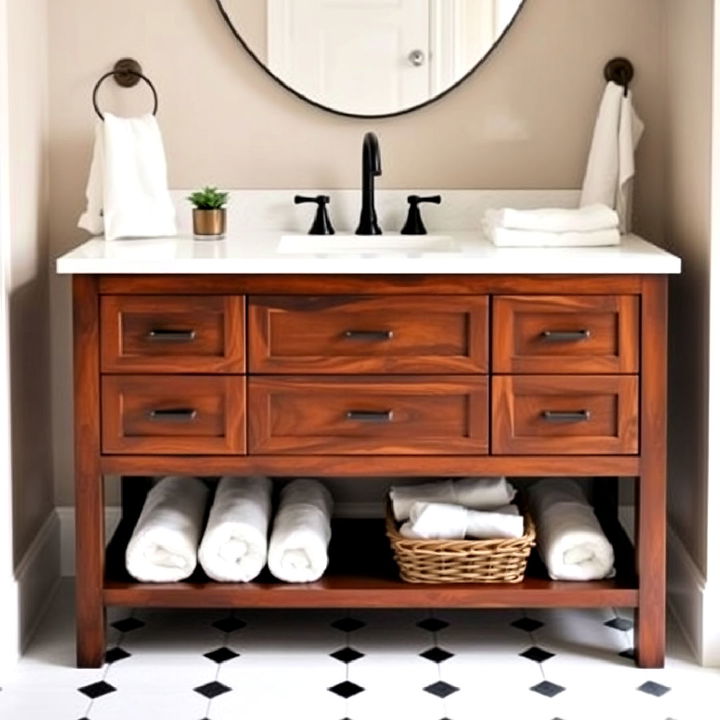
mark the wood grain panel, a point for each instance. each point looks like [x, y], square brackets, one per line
[178, 334]
[216, 403]
[380, 334]
[565, 334]
[423, 415]
[89, 491]
[336, 284]
[521, 424]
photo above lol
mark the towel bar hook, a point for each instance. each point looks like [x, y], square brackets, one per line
[127, 72]
[620, 71]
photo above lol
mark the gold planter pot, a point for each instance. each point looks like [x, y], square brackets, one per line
[209, 224]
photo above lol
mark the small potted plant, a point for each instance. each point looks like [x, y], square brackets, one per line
[209, 212]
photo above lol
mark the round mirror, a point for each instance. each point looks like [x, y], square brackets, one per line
[369, 58]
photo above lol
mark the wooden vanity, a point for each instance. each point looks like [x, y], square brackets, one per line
[371, 375]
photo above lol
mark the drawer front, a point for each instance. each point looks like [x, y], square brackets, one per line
[383, 415]
[551, 415]
[565, 334]
[377, 334]
[184, 334]
[182, 415]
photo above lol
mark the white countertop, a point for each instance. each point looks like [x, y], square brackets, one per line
[255, 252]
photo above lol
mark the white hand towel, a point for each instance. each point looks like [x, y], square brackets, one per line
[611, 161]
[301, 532]
[163, 546]
[441, 521]
[558, 220]
[507, 237]
[475, 493]
[569, 537]
[127, 189]
[234, 546]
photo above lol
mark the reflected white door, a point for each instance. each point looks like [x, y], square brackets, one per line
[359, 56]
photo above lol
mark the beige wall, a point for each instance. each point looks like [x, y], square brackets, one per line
[28, 288]
[687, 217]
[522, 121]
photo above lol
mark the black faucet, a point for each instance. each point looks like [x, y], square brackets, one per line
[370, 169]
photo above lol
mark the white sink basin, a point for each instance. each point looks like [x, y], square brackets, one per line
[346, 243]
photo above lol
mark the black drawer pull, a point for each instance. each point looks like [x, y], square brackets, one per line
[562, 416]
[170, 336]
[369, 334]
[370, 415]
[178, 415]
[564, 335]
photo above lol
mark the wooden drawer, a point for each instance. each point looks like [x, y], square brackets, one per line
[551, 415]
[381, 415]
[565, 334]
[178, 415]
[372, 334]
[184, 334]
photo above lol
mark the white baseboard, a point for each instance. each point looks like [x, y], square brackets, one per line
[36, 579]
[694, 603]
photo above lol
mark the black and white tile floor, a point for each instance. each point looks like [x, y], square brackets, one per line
[359, 665]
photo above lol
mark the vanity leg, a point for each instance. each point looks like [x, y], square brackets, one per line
[651, 507]
[89, 490]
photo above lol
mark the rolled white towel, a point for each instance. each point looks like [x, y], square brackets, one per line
[442, 521]
[558, 220]
[163, 546]
[474, 493]
[301, 532]
[569, 537]
[234, 546]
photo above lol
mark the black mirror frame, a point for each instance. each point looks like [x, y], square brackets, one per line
[430, 101]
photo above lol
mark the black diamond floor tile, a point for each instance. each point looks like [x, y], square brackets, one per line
[432, 624]
[618, 623]
[346, 689]
[347, 655]
[212, 689]
[115, 654]
[97, 689]
[348, 624]
[221, 655]
[547, 688]
[537, 654]
[441, 689]
[128, 624]
[437, 654]
[653, 688]
[629, 654]
[527, 624]
[229, 624]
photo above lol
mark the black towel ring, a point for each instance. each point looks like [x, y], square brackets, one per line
[127, 73]
[620, 71]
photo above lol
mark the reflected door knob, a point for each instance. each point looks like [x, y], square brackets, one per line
[417, 58]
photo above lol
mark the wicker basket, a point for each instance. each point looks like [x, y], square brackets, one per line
[460, 561]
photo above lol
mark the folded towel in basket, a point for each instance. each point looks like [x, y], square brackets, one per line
[474, 493]
[301, 532]
[163, 546]
[442, 521]
[569, 537]
[234, 546]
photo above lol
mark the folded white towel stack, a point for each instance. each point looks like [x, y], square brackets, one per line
[127, 190]
[611, 161]
[301, 532]
[474, 493]
[592, 226]
[442, 521]
[163, 546]
[234, 546]
[569, 537]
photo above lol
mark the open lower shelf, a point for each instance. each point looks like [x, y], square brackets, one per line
[362, 573]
